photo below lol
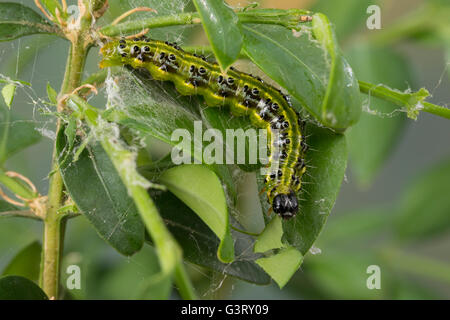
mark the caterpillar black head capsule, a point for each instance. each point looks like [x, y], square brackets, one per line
[285, 205]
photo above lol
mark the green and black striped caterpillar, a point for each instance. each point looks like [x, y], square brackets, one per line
[266, 106]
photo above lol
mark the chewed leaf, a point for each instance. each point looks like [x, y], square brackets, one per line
[200, 189]
[282, 266]
[17, 20]
[222, 27]
[270, 238]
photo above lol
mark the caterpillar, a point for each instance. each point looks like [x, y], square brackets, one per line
[267, 107]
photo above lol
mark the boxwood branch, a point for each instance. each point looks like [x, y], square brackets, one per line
[412, 102]
[288, 18]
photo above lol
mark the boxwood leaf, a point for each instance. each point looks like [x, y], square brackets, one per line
[323, 82]
[17, 20]
[52, 5]
[26, 263]
[20, 288]
[8, 92]
[270, 238]
[200, 244]
[222, 28]
[282, 265]
[200, 189]
[52, 94]
[326, 163]
[105, 202]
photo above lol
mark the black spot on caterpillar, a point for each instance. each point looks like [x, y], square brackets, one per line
[245, 94]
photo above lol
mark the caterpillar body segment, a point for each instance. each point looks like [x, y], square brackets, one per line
[246, 95]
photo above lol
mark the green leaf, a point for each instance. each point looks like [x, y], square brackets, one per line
[106, 202]
[26, 263]
[425, 205]
[8, 92]
[52, 94]
[200, 189]
[326, 163]
[282, 266]
[222, 28]
[15, 134]
[323, 83]
[270, 238]
[341, 107]
[17, 20]
[19, 288]
[373, 138]
[200, 244]
[52, 5]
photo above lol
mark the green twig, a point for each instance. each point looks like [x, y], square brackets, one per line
[54, 225]
[20, 213]
[412, 102]
[185, 288]
[288, 18]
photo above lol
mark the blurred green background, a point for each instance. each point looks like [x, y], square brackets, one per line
[393, 210]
